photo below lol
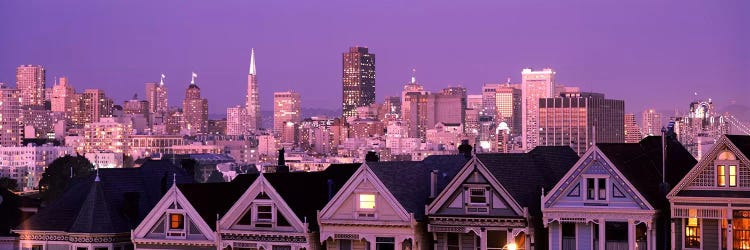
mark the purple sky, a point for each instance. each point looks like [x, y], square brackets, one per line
[649, 53]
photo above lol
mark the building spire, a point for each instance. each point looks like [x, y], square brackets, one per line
[161, 82]
[252, 61]
[413, 76]
[192, 79]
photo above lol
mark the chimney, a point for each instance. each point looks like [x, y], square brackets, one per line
[433, 183]
[330, 189]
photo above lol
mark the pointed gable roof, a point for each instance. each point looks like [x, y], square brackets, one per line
[307, 192]
[215, 199]
[409, 181]
[640, 163]
[739, 145]
[524, 175]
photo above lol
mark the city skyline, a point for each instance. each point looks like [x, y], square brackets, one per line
[635, 55]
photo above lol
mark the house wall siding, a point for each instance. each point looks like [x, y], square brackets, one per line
[710, 234]
[584, 236]
[554, 236]
[678, 234]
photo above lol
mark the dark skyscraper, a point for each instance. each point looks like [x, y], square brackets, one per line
[358, 80]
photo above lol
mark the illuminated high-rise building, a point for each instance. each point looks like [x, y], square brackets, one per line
[194, 110]
[503, 103]
[652, 122]
[358, 80]
[448, 106]
[236, 120]
[287, 107]
[632, 131]
[30, 81]
[579, 120]
[534, 86]
[94, 105]
[63, 97]
[156, 96]
[414, 108]
[11, 129]
[252, 102]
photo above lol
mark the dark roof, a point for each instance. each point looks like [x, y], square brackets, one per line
[212, 200]
[127, 193]
[409, 181]
[525, 174]
[640, 163]
[742, 142]
[10, 210]
[307, 192]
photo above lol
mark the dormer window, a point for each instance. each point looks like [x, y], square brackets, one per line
[726, 169]
[176, 222]
[366, 206]
[596, 189]
[478, 196]
[264, 215]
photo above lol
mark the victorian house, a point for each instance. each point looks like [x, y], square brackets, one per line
[493, 201]
[98, 212]
[711, 205]
[382, 205]
[614, 196]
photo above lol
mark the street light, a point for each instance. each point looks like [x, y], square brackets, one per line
[511, 246]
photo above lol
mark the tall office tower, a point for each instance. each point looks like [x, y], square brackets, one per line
[137, 107]
[194, 110]
[358, 80]
[286, 108]
[414, 108]
[30, 81]
[156, 95]
[580, 119]
[534, 86]
[63, 95]
[632, 131]
[448, 107]
[473, 110]
[252, 103]
[508, 108]
[652, 122]
[236, 120]
[11, 128]
[95, 105]
[489, 99]
[174, 121]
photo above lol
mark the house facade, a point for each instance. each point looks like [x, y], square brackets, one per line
[711, 205]
[611, 198]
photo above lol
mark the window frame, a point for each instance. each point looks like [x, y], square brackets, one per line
[256, 212]
[696, 230]
[365, 213]
[597, 189]
[728, 167]
[182, 221]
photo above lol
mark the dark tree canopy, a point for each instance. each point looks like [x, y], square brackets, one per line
[215, 177]
[58, 174]
[8, 183]
[372, 156]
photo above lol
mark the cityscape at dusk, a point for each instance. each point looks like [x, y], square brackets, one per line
[386, 125]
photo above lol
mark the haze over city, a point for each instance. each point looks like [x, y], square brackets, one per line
[652, 54]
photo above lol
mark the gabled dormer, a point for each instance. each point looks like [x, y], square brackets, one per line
[725, 168]
[595, 182]
[261, 208]
[364, 199]
[474, 191]
[173, 219]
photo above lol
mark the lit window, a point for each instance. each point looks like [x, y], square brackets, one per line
[721, 176]
[176, 221]
[732, 175]
[367, 201]
[693, 230]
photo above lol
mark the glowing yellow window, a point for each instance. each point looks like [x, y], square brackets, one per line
[732, 175]
[721, 176]
[176, 221]
[367, 201]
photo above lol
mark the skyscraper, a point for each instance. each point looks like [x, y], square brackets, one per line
[358, 80]
[652, 122]
[414, 108]
[63, 95]
[195, 109]
[252, 103]
[95, 105]
[11, 129]
[579, 120]
[503, 103]
[236, 120]
[286, 108]
[30, 81]
[632, 131]
[156, 95]
[448, 106]
[534, 85]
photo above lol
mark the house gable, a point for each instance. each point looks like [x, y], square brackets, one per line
[474, 190]
[364, 198]
[261, 208]
[173, 218]
[594, 182]
[705, 174]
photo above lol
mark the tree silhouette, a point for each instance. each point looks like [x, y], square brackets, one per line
[57, 176]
